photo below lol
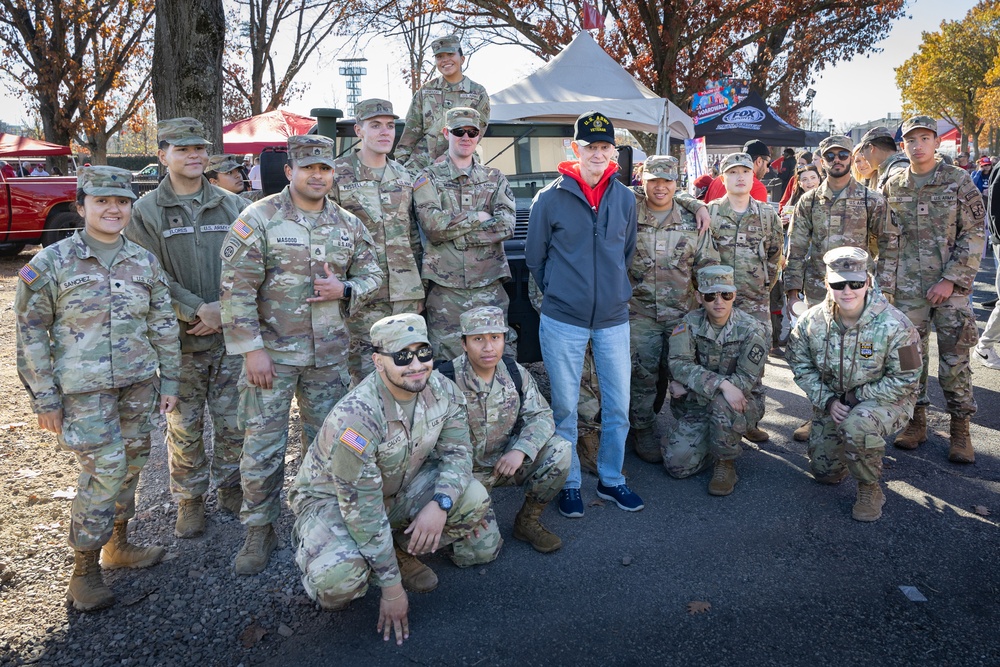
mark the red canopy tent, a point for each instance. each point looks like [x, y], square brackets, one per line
[254, 134]
[14, 146]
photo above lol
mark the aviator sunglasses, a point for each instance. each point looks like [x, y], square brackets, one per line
[726, 296]
[463, 131]
[404, 357]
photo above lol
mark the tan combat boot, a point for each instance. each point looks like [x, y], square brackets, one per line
[87, 590]
[801, 434]
[417, 577]
[646, 446]
[960, 450]
[915, 431]
[190, 518]
[230, 499]
[868, 506]
[588, 441]
[724, 478]
[256, 551]
[756, 434]
[118, 552]
[528, 528]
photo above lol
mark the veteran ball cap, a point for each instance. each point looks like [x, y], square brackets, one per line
[447, 44]
[875, 133]
[592, 127]
[182, 132]
[103, 181]
[718, 278]
[462, 117]
[223, 164]
[736, 160]
[836, 141]
[485, 319]
[304, 150]
[393, 333]
[373, 108]
[846, 263]
[919, 123]
[660, 166]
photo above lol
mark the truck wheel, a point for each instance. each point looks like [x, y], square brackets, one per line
[60, 226]
[11, 249]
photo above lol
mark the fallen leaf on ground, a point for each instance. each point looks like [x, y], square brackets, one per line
[981, 510]
[596, 502]
[24, 473]
[253, 634]
[698, 607]
[69, 493]
[11, 426]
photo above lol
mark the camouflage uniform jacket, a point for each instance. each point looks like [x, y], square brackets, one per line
[665, 260]
[498, 420]
[938, 232]
[857, 217]
[386, 208]
[891, 166]
[422, 140]
[269, 260]
[752, 246]
[701, 358]
[186, 237]
[829, 360]
[463, 251]
[366, 453]
[83, 327]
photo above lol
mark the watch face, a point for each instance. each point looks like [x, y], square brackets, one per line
[443, 501]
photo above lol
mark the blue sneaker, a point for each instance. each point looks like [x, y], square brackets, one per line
[624, 497]
[570, 503]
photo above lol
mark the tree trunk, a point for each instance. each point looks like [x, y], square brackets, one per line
[187, 63]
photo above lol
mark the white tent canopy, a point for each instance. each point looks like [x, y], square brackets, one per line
[583, 77]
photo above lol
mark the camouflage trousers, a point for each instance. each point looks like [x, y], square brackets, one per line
[650, 344]
[109, 433]
[210, 377]
[706, 432]
[445, 306]
[588, 407]
[957, 334]
[359, 358]
[858, 442]
[333, 570]
[264, 414]
[542, 480]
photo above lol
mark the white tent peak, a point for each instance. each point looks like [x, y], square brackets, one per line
[583, 77]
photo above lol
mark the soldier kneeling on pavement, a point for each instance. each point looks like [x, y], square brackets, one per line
[858, 360]
[513, 434]
[717, 355]
[389, 477]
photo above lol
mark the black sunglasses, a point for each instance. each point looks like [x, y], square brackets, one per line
[855, 285]
[404, 357]
[463, 131]
[830, 156]
[726, 296]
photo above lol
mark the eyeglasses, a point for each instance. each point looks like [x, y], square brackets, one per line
[465, 131]
[855, 285]
[404, 357]
[726, 296]
[830, 156]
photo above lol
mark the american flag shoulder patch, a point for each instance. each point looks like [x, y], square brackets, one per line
[354, 440]
[679, 329]
[420, 182]
[242, 229]
[28, 274]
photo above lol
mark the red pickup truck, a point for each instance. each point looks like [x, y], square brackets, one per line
[36, 210]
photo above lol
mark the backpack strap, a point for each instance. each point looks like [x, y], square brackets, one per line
[515, 375]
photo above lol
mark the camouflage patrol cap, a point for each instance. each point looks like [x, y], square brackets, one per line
[372, 108]
[736, 160]
[447, 44]
[182, 132]
[717, 278]
[836, 141]
[919, 123]
[304, 150]
[393, 333]
[105, 181]
[875, 133]
[462, 117]
[485, 319]
[846, 263]
[660, 166]
[222, 164]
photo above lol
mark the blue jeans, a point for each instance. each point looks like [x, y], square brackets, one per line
[563, 346]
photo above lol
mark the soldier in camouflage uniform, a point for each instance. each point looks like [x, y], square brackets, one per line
[466, 211]
[669, 249]
[749, 237]
[938, 238]
[380, 192]
[94, 326]
[183, 222]
[878, 146]
[857, 358]
[294, 267]
[388, 478]
[513, 434]
[422, 141]
[717, 356]
[226, 172]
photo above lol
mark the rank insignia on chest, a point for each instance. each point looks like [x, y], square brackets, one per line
[866, 350]
[28, 274]
[354, 440]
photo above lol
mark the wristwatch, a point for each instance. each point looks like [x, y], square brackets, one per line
[443, 500]
[347, 292]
